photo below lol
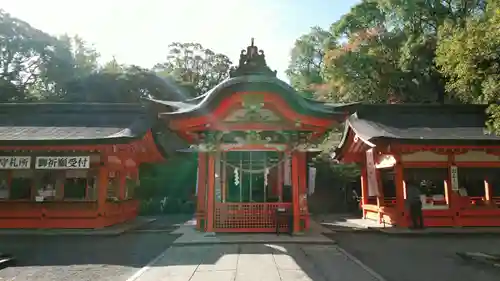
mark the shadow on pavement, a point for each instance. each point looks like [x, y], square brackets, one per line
[404, 258]
[256, 262]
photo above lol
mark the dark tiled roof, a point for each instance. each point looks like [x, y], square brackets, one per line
[63, 123]
[421, 123]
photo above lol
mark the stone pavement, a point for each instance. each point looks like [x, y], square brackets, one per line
[189, 235]
[254, 262]
[353, 223]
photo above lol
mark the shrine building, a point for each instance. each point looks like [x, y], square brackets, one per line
[445, 148]
[252, 134]
[73, 165]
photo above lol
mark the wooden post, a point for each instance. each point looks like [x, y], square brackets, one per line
[280, 177]
[400, 198]
[102, 189]
[364, 188]
[211, 189]
[295, 191]
[202, 190]
[380, 195]
[303, 188]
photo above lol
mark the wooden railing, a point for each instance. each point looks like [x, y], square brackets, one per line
[250, 217]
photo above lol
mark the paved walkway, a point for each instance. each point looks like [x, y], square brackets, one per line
[189, 235]
[245, 262]
[352, 223]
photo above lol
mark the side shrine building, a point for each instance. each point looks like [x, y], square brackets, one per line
[444, 148]
[72, 165]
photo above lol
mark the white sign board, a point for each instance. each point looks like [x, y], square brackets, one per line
[371, 174]
[15, 162]
[454, 178]
[62, 162]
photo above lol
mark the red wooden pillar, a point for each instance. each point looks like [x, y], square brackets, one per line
[202, 190]
[210, 193]
[102, 189]
[295, 191]
[400, 200]
[280, 177]
[303, 188]
[364, 188]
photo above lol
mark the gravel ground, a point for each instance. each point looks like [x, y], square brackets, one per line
[76, 258]
[422, 258]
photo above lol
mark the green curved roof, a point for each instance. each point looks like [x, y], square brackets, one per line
[250, 83]
[251, 75]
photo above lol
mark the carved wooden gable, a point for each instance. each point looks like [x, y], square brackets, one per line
[244, 115]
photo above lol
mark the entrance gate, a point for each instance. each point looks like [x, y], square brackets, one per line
[251, 192]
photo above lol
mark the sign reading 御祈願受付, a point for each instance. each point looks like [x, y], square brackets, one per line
[15, 162]
[454, 178]
[62, 162]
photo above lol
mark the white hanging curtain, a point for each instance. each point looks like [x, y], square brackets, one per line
[371, 174]
[197, 179]
[312, 180]
[287, 180]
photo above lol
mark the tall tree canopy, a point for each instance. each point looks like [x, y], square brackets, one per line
[194, 67]
[384, 51]
[26, 55]
[35, 66]
[468, 54]
[306, 63]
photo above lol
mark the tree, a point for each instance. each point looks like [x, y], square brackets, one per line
[194, 67]
[25, 54]
[117, 83]
[305, 69]
[74, 60]
[385, 50]
[468, 55]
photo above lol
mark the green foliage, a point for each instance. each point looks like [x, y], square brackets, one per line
[168, 187]
[306, 62]
[380, 51]
[469, 56]
[194, 67]
[35, 66]
[26, 54]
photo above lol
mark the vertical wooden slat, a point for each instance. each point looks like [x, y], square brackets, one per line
[295, 192]
[399, 182]
[102, 189]
[202, 191]
[211, 187]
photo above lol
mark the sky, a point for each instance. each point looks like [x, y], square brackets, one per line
[139, 31]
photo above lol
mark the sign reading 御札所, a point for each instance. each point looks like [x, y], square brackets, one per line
[15, 162]
[62, 162]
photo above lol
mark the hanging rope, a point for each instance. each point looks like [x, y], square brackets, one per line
[252, 171]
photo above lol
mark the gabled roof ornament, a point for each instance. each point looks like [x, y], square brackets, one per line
[252, 62]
